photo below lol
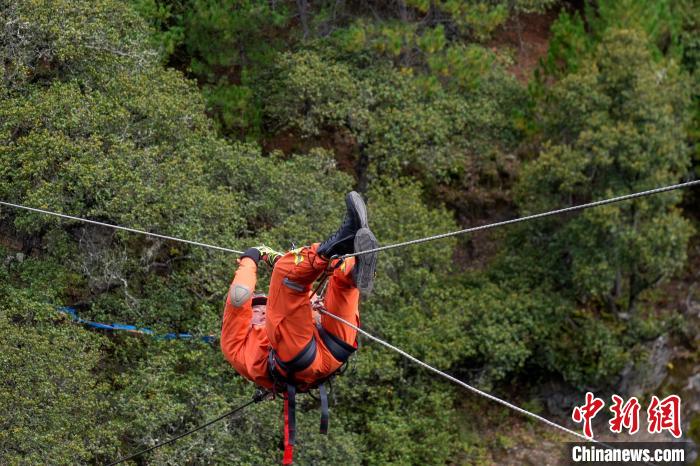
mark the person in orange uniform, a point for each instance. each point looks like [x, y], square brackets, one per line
[278, 341]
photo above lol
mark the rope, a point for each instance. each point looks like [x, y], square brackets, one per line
[258, 397]
[117, 227]
[529, 217]
[466, 385]
[457, 381]
[425, 365]
[390, 246]
[133, 329]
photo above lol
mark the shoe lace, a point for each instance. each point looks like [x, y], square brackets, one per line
[346, 221]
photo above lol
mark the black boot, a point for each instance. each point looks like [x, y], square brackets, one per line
[354, 235]
[365, 264]
[343, 241]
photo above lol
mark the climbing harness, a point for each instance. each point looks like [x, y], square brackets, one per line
[282, 373]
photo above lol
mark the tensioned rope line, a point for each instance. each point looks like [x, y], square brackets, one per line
[456, 380]
[259, 396]
[466, 385]
[526, 218]
[117, 227]
[390, 246]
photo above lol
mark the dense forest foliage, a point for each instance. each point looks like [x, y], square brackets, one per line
[245, 122]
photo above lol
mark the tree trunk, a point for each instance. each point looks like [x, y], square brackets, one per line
[303, 6]
[403, 11]
[361, 170]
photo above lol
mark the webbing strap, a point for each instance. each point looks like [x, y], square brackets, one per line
[340, 350]
[292, 401]
[289, 424]
[301, 361]
[324, 408]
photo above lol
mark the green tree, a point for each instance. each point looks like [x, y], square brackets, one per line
[575, 35]
[616, 126]
[109, 134]
[54, 409]
[225, 46]
[450, 141]
[478, 18]
[689, 12]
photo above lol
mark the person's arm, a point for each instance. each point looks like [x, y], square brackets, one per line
[238, 312]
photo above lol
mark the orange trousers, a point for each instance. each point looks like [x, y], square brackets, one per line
[287, 324]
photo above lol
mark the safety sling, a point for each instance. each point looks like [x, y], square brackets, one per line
[282, 374]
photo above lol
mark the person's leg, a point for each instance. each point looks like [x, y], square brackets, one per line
[289, 323]
[342, 299]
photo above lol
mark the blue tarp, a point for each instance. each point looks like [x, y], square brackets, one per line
[133, 329]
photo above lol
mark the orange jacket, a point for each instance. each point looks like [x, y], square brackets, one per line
[244, 344]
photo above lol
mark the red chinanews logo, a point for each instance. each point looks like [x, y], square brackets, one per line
[662, 415]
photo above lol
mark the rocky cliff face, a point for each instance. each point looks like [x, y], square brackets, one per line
[683, 377]
[672, 366]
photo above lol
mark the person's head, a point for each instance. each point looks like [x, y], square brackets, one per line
[259, 302]
[259, 309]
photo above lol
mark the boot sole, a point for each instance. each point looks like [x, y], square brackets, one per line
[365, 264]
[357, 206]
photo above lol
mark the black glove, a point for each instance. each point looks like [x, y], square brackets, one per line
[252, 253]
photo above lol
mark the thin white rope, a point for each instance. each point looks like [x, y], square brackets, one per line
[117, 227]
[390, 246]
[467, 386]
[457, 381]
[526, 218]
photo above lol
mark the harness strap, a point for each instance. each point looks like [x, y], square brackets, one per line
[300, 362]
[289, 424]
[324, 408]
[340, 350]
